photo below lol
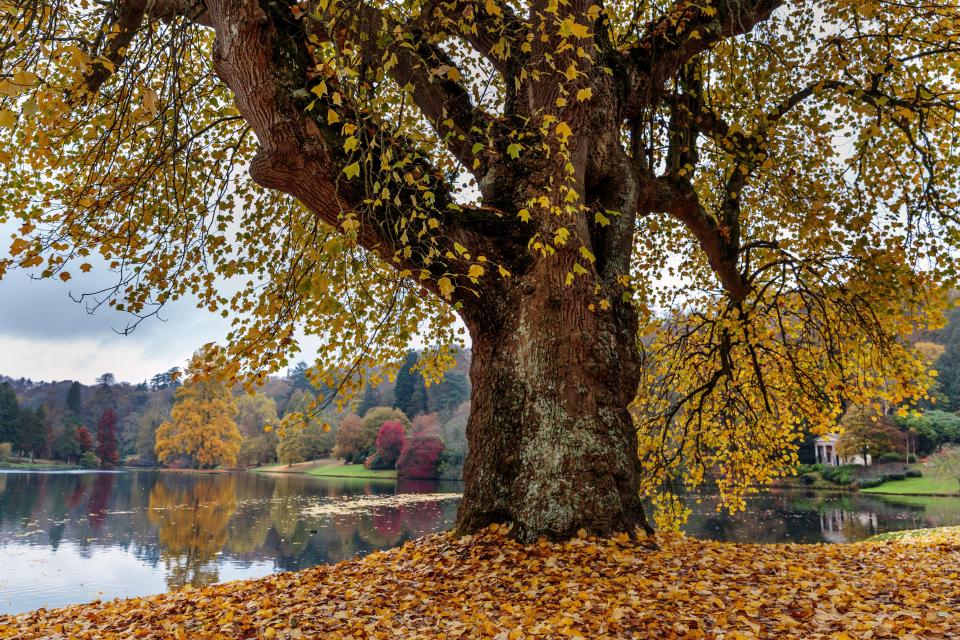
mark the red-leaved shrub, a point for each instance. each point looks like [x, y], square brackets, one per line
[390, 441]
[420, 456]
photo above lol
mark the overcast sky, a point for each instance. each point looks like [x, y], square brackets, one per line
[44, 335]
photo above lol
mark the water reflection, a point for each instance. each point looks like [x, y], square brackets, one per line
[71, 537]
[74, 537]
[783, 515]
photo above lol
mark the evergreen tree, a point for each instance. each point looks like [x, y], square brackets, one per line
[948, 365]
[410, 394]
[33, 432]
[9, 414]
[74, 400]
[368, 400]
[107, 438]
[65, 446]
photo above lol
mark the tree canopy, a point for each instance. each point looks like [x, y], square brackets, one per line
[766, 189]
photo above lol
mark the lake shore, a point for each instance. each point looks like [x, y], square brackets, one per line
[329, 468]
[489, 586]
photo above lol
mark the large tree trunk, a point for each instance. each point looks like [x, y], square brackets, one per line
[552, 446]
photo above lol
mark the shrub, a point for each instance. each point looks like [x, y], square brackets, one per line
[390, 441]
[867, 483]
[896, 476]
[842, 475]
[375, 462]
[808, 478]
[891, 456]
[88, 460]
[911, 459]
[420, 456]
[913, 473]
[6, 451]
[450, 466]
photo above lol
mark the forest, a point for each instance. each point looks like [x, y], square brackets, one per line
[114, 423]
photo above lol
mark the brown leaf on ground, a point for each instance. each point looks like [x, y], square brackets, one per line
[488, 586]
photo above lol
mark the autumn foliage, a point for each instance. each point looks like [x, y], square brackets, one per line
[84, 440]
[420, 456]
[489, 586]
[202, 431]
[107, 438]
[390, 441]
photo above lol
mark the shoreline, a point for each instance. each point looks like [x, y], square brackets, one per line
[488, 585]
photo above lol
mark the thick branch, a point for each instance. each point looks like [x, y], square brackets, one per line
[687, 29]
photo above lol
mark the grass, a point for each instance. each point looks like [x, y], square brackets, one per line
[37, 466]
[352, 471]
[329, 469]
[927, 485]
[932, 534]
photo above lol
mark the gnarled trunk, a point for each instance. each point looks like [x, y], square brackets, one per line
[552, 446]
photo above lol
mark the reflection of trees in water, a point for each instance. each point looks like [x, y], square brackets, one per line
[99, 499]
[807, 516]
[191, 519]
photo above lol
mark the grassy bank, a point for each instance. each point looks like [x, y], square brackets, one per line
[329, 469]
[927, 485]
[488, 586]
[949, 534]
[38, 465]
[352, 471]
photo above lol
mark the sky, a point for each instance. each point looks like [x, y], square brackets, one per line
[45, 335]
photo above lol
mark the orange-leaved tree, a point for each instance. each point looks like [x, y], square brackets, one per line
[202, 430]
[730, 211]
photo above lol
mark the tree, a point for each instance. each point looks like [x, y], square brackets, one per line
[9, 414]
[390, 441]
[65, 445]
[34, 432]
[867, 432]
[351, 442]
[420, 456]
[84, 440]
[356, 442]
[107, 439]
[254, 412]
[767, 175]
[410, 394]
[74, 399]
[201, 431]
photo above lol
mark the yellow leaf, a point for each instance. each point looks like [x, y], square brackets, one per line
[7, 118]
[563, 131]
[475, 271]
[492, 8]
[352, 170]
[446, 287]
[584, 94]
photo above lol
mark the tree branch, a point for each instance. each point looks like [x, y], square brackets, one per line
[687, 29]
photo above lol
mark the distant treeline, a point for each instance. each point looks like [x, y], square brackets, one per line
[114, 422]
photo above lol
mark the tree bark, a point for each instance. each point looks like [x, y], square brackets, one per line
[552, 447]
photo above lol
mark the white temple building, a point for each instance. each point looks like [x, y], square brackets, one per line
[826, 451]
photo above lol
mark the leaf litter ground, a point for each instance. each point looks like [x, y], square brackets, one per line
[488, 586]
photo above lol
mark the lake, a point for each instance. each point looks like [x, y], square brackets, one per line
[70, 537]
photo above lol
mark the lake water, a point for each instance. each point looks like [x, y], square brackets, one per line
[69, 537]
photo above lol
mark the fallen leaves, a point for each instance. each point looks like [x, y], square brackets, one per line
[488, 586]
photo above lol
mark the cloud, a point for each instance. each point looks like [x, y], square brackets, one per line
[83, 359]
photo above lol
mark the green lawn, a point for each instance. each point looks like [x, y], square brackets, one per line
[37, 466]
[914, 534]
[351, 471]
[329, 469]
[924, 485]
